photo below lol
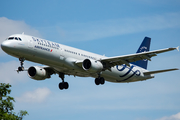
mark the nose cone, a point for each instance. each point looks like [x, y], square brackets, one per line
[6, 46]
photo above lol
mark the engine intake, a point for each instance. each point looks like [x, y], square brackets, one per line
[92, 65]
[37, 73]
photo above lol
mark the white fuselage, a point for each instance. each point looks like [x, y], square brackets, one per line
[64, 58]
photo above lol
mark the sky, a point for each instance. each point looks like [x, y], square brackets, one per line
[105, 27]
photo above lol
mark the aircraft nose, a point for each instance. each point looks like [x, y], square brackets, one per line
[6, 45]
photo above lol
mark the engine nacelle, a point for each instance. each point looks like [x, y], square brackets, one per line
[92, 65]
[37, 73]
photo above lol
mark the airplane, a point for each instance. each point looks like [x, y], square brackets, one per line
[65, 60]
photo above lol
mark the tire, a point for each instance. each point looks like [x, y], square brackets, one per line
[61, 86]
[102, 81]
[97, 81]
[19, 69]
[65, 85]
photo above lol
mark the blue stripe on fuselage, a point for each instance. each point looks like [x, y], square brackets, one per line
[137, 72]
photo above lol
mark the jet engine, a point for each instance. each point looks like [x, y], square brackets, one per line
[37, 73]
[92, 65]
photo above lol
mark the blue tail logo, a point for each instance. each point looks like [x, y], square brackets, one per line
[144, 47]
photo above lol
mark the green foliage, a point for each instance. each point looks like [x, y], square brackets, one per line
[6, 105]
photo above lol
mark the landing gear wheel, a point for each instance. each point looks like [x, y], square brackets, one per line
[102, 81]
[63, 85]
[99, 80]
[66, 85]
[20, 68]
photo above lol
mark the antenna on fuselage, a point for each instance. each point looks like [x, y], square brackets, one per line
[23, 33]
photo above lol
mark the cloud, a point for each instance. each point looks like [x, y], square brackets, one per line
[9, 27]
[172, 117]
[36, 96]
[74, 31]
[8, 73]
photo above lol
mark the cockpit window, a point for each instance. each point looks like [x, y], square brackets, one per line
[15, 38]
[10, 38]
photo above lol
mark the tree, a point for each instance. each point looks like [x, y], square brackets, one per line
[6, 105]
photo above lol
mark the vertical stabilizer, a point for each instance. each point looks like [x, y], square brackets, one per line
[145, 46]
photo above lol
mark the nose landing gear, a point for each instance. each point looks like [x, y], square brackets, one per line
[21, 68]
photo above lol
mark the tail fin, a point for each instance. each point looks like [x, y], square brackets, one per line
[145, 46]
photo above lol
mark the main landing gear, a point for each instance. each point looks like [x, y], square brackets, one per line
[21, 68]
[99, 80]
[63, 85]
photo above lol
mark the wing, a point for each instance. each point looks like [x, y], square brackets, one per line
[126, 59]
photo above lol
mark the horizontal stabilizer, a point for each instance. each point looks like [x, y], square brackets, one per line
[159, 71]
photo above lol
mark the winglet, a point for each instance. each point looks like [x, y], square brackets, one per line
[177, 48]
